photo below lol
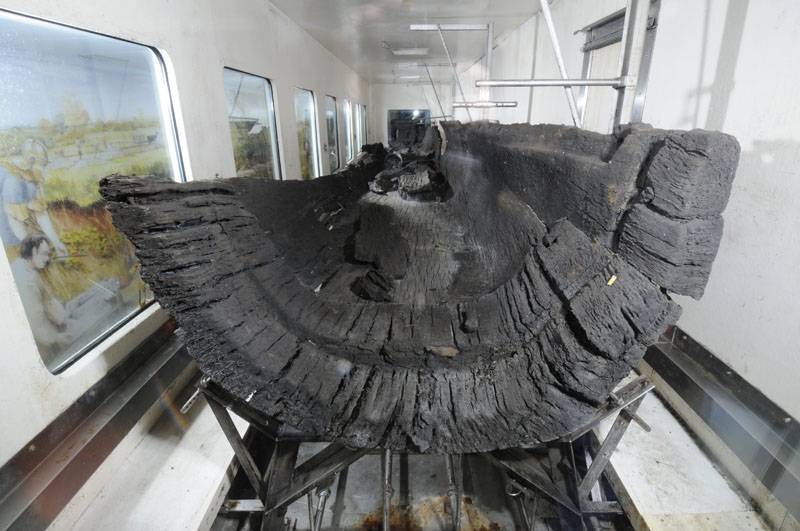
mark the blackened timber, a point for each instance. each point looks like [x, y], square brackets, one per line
[487, 295]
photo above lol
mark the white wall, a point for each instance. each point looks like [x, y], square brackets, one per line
[198, 38]
[386, 96]
[729, 65]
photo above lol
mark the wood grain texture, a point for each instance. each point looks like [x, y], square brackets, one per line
[486, 296]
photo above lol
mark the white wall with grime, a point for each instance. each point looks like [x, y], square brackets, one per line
[197, 39]
[727, 65]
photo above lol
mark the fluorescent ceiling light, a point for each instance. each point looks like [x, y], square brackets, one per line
[408, 77]
[410, 51]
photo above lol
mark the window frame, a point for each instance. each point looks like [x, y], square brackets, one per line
[317, 160]
[348, 126]
[277, 142]
[328, 98]
[164, 96]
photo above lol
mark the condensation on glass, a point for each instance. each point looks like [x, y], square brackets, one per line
[251, 115]
[348, 130]
[77, 107]
[332, 130]
[307, 138]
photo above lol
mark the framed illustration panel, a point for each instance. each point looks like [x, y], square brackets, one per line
[76, 107]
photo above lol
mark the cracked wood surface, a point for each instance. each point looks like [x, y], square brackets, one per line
[486, 297]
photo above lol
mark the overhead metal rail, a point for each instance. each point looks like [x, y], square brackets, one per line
[634, 30]
[440, 29]
[483, 104]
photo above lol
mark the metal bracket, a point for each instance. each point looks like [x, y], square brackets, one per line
[283, 482]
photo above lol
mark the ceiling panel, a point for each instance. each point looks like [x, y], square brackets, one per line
[364, 33]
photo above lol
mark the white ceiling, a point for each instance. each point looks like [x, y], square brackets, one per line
[355, 30]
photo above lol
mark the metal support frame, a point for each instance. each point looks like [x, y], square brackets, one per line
[551, 30]
[435, 92]
[483, 104]
[528, 476]
[633, 39]
[632, 54]
[576, 496]
[453, 68]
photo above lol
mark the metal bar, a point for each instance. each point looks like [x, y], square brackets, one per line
[322, 498]
[338, 502]
[610, 82]
[453, 467]
[386, 462]
[527, 471]
[243, 455]
[625, 396]
[485, 92]
[551, 29]
[455, 73]
[242, 506]
[278, 477]
[631, 54]
[435, 93]
[606, 449]
[483, 104]
[448, 27]
[307, 476]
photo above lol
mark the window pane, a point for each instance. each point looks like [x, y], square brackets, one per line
[306, 119]
[332, 125]
[76, 107]
[364, 124]
[407, 126]
[359, 132]
[251, 115]
[348, 130]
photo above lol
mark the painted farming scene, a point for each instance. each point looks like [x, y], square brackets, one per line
[90, 109]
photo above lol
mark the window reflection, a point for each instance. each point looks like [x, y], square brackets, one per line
[307, 137]
[348, 130]
[332, 126]
[77, 107]
[251, 115]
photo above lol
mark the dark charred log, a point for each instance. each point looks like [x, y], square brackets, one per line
[484, 295]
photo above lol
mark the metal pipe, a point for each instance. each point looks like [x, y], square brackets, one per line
[612, 82]
[386, 459]
[486, 92]
[483, 104]
[455, 73]
[551, 29]
[433, 86]
[632, 50]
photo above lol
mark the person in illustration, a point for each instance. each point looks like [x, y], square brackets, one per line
[48, 317]
[23, 211]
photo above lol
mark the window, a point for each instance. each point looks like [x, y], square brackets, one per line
[251, 115]
[332, 126]
[348, 131]
[77, 106]
[407, 126]
[359, 131]
[305, 113]
[364, 124]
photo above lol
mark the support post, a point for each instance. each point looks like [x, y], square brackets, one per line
[634, 32]
[453, 67]
[386, 461]
[551, 29]
[433, 86]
